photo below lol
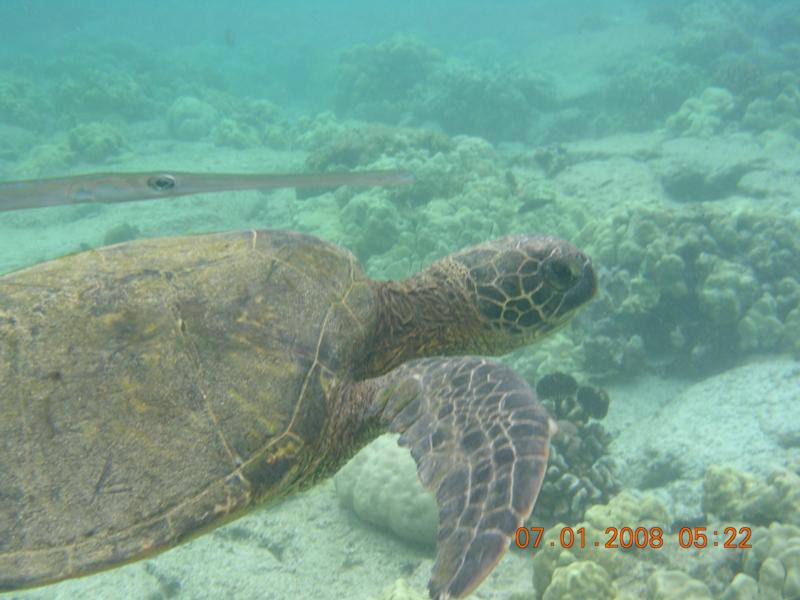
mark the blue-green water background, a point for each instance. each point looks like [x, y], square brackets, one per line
[662, 137]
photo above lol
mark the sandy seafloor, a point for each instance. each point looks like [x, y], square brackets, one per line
[307, 546]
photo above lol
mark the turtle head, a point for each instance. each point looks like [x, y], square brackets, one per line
[522, 286]
[491, 298]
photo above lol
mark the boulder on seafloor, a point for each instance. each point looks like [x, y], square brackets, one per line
[381, 487]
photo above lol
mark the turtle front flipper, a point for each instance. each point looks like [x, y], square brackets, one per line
[480, 439]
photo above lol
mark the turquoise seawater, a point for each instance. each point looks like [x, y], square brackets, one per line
[661, 137]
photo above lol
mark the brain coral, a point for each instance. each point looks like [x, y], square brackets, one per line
[380, 485]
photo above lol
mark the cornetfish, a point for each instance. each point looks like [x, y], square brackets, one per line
[106, 188]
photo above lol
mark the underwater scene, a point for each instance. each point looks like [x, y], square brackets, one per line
[551, 248]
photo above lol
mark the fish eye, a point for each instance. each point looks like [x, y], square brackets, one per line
[161, 183]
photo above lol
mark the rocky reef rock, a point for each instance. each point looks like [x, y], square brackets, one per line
[404, 81]
[381, 487]
[676, 585]
[613, 568]
[692, 290]
[774, 562]
[95, 142]
[729, 494]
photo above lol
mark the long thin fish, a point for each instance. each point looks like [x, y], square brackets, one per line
[108, 188]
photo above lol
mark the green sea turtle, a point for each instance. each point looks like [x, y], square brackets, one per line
[155, 389]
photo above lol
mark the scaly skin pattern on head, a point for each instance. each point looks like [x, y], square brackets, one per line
[488, 299]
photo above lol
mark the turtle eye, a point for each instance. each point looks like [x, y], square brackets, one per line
[562, 272]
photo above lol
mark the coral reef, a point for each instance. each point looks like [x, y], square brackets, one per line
[567, 400]
[780, 23]
[580, 579]
[462, 194]
[371, 223]
[713, 29]
[93, 92]
[695, 288]
[702, 116]
[611, 566]
[468, 100]
[742, 587]
[773, 563]
[385, 82]
[665, 572]
[744, 76]
[640, 94]
[579, 473]
[405, 82]
[728, 494]
[95, 142]
[229, 132]
[626, 509]
[46, 159]
[14, 141]
[676, 585]
[191, 119]
[248, 122]
[779, 112]
[431, 155]
[19, 103]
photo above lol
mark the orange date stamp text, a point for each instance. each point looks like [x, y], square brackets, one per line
[638, 537]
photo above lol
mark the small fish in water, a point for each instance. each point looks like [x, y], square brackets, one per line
[109, 188]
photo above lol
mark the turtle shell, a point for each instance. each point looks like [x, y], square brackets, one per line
[154, 389]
